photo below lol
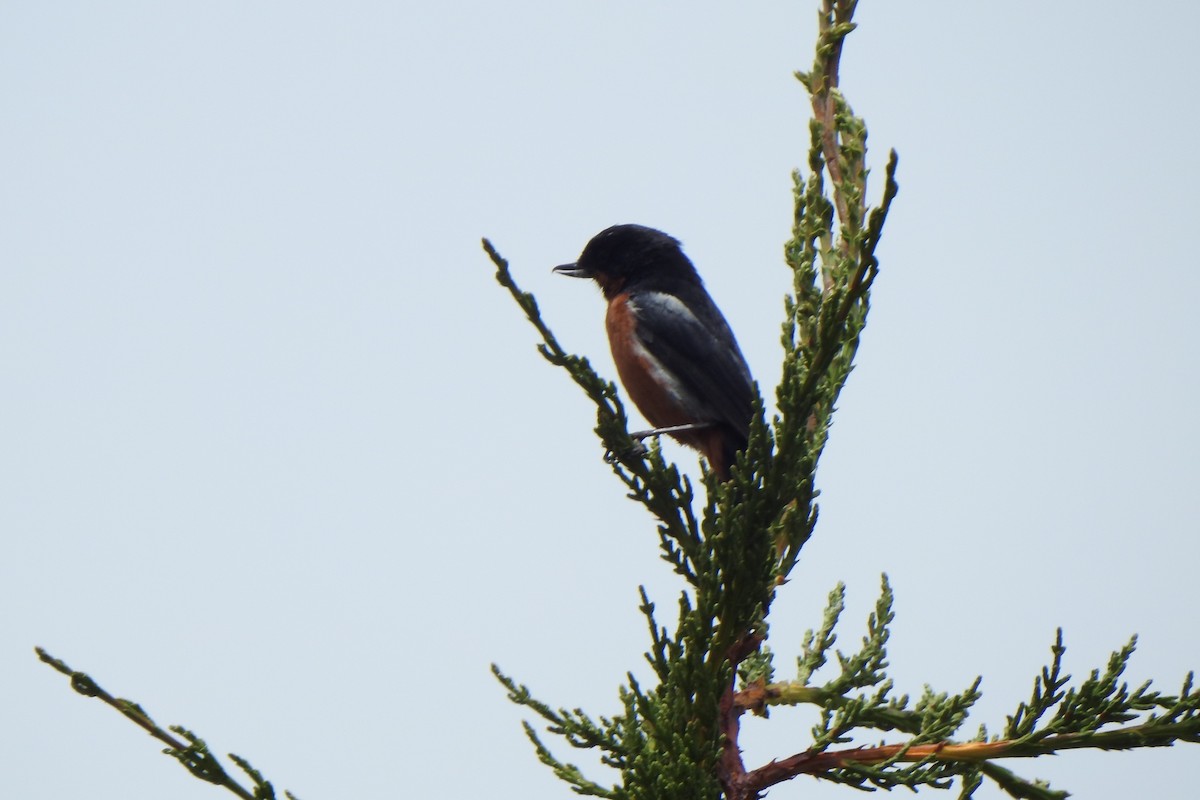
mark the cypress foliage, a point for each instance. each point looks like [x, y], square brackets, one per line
[679, 738]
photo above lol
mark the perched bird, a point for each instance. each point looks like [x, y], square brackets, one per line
[674, 351]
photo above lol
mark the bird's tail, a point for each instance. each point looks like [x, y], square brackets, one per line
[720, 446]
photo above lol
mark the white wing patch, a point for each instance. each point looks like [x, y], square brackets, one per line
[669, 304]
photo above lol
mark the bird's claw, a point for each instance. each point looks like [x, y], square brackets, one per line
[638, 450]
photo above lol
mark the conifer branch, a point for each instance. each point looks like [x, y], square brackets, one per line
[680, 738]
[181, 744]
[1092, 715]
[648, 478]
[952, 755]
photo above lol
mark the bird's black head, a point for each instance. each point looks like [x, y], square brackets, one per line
[625, 254]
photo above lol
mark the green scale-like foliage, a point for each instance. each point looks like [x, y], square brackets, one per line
[678, 739]
[670, 740]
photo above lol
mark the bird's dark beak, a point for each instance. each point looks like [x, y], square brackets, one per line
[572, 270]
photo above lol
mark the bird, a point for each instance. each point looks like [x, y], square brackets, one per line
[675, 354]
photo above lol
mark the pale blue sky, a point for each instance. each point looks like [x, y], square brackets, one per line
[280, 460]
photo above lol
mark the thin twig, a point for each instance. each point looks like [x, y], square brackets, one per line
[86, 686]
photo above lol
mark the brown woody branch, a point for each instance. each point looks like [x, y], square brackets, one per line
[758, 695]
[732, 770]
[1150, 734]
[815, 763]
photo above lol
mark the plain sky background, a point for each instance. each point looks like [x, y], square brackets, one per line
[280, 462]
